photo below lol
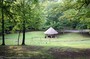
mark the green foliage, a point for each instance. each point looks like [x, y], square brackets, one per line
[32, 14]
[32, 11]
[73, 14]
[42, 14]
[8, 14]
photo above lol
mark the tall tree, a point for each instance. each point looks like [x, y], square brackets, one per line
[5, 6]
[25, 6]
[26, 15]
[3, 39]
[23, 40]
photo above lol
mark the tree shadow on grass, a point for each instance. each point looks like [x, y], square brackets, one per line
[39, 52]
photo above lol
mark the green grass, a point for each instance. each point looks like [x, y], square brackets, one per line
[62, 47]
[36, 38]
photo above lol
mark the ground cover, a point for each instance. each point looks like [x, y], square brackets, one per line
[64, 46]
[36, 38]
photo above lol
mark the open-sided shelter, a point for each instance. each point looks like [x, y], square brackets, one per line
[50, 33]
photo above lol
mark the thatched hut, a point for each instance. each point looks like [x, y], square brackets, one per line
[51, 33]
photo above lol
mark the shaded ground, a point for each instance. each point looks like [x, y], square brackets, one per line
[39, 52]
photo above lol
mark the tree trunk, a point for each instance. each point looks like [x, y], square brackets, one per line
[23, 41]
[19, 36]
[3, 39]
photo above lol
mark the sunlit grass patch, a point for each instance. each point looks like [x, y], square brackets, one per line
[36, 38]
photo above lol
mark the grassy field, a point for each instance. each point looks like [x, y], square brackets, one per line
[36, 38]
[64, 46]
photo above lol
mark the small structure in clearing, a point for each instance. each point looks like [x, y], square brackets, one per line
[50, 33]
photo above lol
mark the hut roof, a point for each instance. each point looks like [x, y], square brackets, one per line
[51, 31]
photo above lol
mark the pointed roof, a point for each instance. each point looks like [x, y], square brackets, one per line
[51, 31]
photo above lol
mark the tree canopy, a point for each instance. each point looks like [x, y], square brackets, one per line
[42, 14]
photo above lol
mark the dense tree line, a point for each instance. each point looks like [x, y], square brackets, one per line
[60, 14]
[68, 14]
